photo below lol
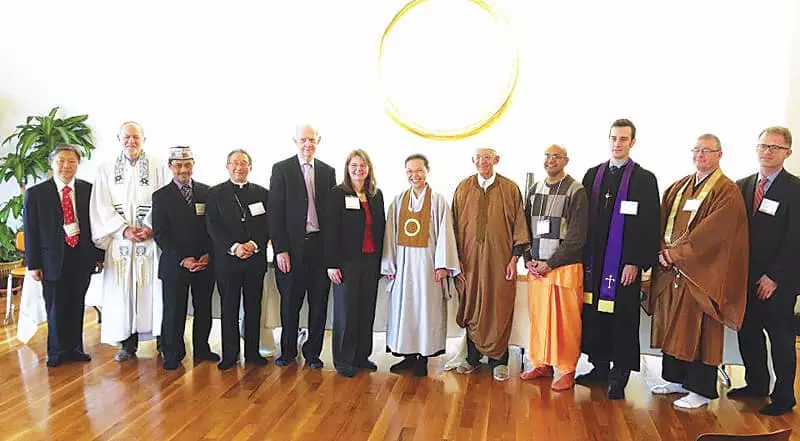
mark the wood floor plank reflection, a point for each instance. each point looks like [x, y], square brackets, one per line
[137, 400]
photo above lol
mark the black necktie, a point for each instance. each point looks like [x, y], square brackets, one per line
[613, 169]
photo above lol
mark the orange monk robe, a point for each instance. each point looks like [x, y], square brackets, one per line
[489, 226]
[554, 304]
[712, 256]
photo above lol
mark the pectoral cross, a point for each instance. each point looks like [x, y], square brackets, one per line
[610, 279]
[607, 196]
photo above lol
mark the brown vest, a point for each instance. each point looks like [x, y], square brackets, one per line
[414, 226]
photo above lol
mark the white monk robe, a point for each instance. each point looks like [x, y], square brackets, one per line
[122, 197]
[417, 318]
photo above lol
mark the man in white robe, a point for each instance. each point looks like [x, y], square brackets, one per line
[120, 215]
[419, 254]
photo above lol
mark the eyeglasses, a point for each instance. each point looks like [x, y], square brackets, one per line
[555, 156]
[770, 147]
[307, 140]
[704, 151]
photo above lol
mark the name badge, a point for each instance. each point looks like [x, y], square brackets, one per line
[691, 205]
[542, 227]
[629, 207]
[72, 229]
[200, 209]
[256, 209]
[769, 206]
[352, 203]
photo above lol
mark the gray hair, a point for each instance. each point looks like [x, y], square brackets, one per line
[710, 137]
[242, 151]
[65, 148]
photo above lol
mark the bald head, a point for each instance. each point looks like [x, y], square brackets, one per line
[555, 159]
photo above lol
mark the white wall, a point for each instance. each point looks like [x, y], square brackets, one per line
[241, 75]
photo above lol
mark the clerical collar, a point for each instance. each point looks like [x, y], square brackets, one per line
[236, 184]
[304, 162]
[618, 163]
[181, 185]
[485, 183]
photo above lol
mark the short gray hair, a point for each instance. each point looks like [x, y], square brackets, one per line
[65, 148]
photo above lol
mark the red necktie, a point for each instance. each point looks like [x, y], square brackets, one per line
[69, 215]
[762, 183]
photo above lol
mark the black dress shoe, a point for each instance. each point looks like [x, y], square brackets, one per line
[224, 365]
[747, 391]
[346, 372]
[368, 365]
[315, 363]
[79, 356]
[775, 409]
[206, 356]
[284, 362]
[595, 376]
[257, 360]
[170, 363]
[616, 392]
[53, 361]
[407, 364]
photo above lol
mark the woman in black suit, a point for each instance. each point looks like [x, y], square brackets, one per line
[354, 223]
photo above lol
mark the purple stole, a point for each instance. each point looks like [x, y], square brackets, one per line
[613, 253]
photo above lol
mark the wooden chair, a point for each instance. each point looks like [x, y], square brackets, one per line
[780, 435]
[19, 273]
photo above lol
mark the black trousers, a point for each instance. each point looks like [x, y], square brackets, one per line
[309, 275]
[175, 295]
[693, 375]
[776, 316]
[474, 355]
[354, 311]
[235, 287]
[64, 301]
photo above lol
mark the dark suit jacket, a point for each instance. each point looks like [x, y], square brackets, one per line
[344, 229]
[224, 224]
[44, 229]
[775, 240]
[288, 201]
[178, 230]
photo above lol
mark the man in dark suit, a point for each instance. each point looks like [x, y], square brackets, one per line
[773, 197]
[299, 187]
[59, 252]
[179, 229]
[236, 218]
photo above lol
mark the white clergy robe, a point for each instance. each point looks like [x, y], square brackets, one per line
[121, 198]
[417, 317]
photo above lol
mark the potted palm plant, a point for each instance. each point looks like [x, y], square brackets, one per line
[33, 142]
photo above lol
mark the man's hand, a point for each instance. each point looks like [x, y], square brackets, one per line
[629, 273]
[98, 266]
[662, 261]
[143, 234]
[202, 263]
[531, 265]
[36, 274]
[766, 287]
[511, 268]
[389, 276]
[542, 268]
[130, 234]
[242, 252]
[189, 263]
[440, 275]
[335, 274]
[462, 276]
[284, 262]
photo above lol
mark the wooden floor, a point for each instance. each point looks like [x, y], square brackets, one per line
[138, 400]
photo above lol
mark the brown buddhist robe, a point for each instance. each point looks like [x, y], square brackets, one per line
[690, 307]
[489, 227]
